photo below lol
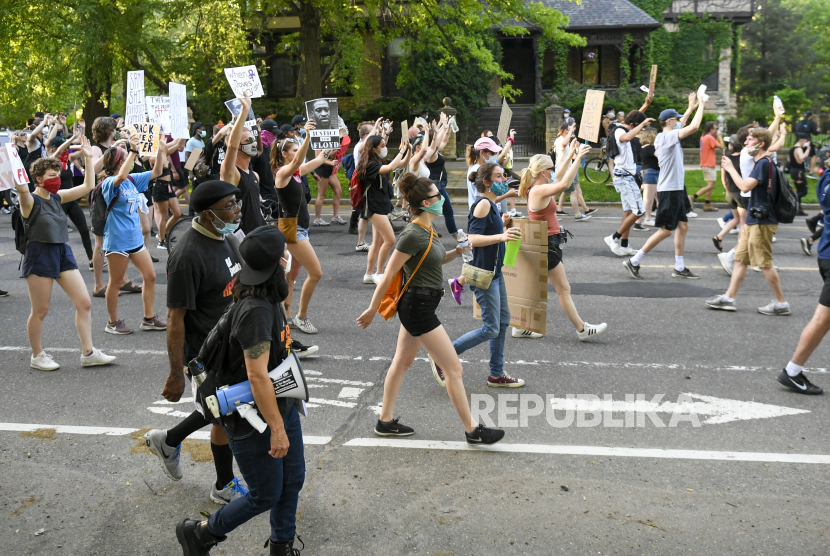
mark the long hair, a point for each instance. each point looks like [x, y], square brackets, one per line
[538, 164]
[472, 155]
[415, 190]
[484, 172]
[647, 136]
[277, 150]
[367, 154]
[112, 159]
[273, 290]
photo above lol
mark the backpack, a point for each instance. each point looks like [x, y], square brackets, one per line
[612, 149]
[786, 201]
[98, 209]
[356, 195]
[22, 226]
[802, 127]
[348, 165]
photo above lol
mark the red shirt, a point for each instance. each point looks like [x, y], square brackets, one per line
[707, 150]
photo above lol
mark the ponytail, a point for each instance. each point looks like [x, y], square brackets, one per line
[472, 155]
[538, 164]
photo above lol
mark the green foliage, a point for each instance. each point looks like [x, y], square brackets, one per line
[654, 8]
[395, 109]
[625, 63]
[795, 101]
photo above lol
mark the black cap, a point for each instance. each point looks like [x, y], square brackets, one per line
[286, 128]
[299, 119]
[209, 192]
[801, 135]
[808, 113]
[261, 251]
[38, 114]
[56, 142]
[269, 125]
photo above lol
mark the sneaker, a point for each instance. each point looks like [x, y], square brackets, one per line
[727, 263]
[195, 537]
[483, 435]
[707, 207]
[97, 357]
[339, 221]
[775, 309]
[735, 231]
[691, 201]
[612, 243]
[685, 273]
[162, 244]
[649, 222]
[560, 212]
[7, 210]
[806, 246]
[153, 324]
[590, 211]
[392, 428]
[91, 268]
[4, 293]
[156, 441]
[591, 330]
[504, 381]
[582, 217]
[691, 214]
[720, 302]
[117, 327]
[43, 362]
[353, 230]
[363, 247]
[437, 372]
[774, 239]
[721, 222]
[232, 491]
[621, 251]
[812, 176]
[302, 350]
[798, 383]
[321, 222]
[305, 325]
[154, 259]
[812, 222]
[759, 269]
[633, 270]
[456, 289]
[376, 278]
[519, 333]
[368, 279]
[639, 228]
[629, 252]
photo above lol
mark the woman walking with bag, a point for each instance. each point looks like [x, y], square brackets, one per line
[419, 256]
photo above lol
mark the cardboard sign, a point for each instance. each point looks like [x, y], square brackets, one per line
[235, 108]
[652, 80]
[158, 112]
[148, 138]
[7, 180]
[324, 113]
[244, 79]
[179, 125]
[190, 163]
[136, 112]
[18, 172]
[405, 130]
[504, 122]
[591, 116]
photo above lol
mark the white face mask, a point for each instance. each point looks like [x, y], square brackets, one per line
[249, 149]
[383, 152]
[753, 150]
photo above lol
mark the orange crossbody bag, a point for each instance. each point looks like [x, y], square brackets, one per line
[389, 303]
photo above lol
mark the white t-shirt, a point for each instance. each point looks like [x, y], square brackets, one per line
[472, 192]
[747, 164]
[356, 152]
[624, 160]
[670, 156]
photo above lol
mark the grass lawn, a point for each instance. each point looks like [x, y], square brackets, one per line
[344, 186]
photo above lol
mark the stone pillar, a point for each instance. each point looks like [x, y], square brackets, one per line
[725, 81]
[450, 150]
[553, 118]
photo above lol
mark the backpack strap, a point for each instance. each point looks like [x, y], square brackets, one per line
[769, 181]
[411, 276]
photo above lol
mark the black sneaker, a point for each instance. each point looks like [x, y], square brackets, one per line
[195, 538]
[483, 435]
[302, 350]
[806, 246]
[633, 270]
[392, 428]
[812, 222]
[163, 244]
[685, 273]
[353, 230]
[154, 259]
[91, 268]
[639, 227]
[798, 383]
[4, 293]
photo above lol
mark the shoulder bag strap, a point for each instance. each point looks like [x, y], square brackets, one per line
[411, 276]
[769, 182]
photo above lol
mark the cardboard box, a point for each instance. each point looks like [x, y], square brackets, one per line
[534, 234]
[524, 314]
[528, 279]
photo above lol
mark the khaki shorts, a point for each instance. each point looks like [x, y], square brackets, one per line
[755, 245]
[709, 174]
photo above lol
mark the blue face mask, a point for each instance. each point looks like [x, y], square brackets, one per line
[302, 132]
[436, 208]
[493, 159]
[499, 188]
[677, 125]
[226, 227]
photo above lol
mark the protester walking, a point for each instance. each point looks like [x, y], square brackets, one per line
[709, 141]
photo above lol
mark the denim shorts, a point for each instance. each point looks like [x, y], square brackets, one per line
[47, 260]
[302, 234]
[650, 176]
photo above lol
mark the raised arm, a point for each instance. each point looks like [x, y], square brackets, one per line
[415, 161]
[695, 125]
[647, 103]
[128, 162]
[65, 145]
[78, 192]
[777, 120]
[508, 146]
[550, 189]
[779, 140]
[30, 140]
[685, 118]
[228, 171]
[399, 161]
[635, 131]
[285, 172]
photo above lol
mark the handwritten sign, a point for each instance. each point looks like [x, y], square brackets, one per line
[7, 180]
[245, 78]
[591, 116]
[19, 173]
[148, 138]
[652, 80]
[158, 112]
[504, 122]
[179, 125]
[135, 112]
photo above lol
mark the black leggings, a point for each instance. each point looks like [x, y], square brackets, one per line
[75, 213]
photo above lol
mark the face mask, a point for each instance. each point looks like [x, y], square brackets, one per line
[677, 125]
[610, 115]
[302, 132]
[552, 177]
[493, 159]
[52, 185]
[383, 152]
[436, 208]
[203, 133]
[249, 149]
[226, 227]
[753, 150]
[499, 188]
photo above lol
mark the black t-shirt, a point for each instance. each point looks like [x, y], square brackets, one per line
[648, 159]
[200, 274]
[758, 196]
[262, 166]
[66, 179]
[249, 190]
[437, 169]
[794, 164]
[636, 147]
[215, 154]
[731, 186]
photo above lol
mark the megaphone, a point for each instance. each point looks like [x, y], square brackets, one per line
[288, 381]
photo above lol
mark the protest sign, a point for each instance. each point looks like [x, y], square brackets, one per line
[244, 79]
[591, 116]
[148, 138]
[135, 112]
[179, 126]
[18, 172]
[405, 130]
[235, 107]
[6, 171]
[158, 112]
[652, 80]
[323, 111]
[504, 122]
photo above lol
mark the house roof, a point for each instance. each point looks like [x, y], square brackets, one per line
[593, 14]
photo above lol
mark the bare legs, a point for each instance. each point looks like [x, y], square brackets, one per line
[812, 335]
[563, 291]
[40, 293]
[383, 241]
[305, 257]
[118, 266]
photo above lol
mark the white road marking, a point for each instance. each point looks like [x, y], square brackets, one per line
[655, 453]
[169, 411]
[720, 410]
[337, 403]
[350, 393]
[181, 400]
[339, 381]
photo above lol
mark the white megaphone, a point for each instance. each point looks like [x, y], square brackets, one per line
[288, 380]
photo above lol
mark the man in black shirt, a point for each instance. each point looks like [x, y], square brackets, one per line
[236, 169]
[809, 127]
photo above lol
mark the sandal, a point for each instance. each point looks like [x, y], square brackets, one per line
[129, 287]
[718, 243]
[102, 292]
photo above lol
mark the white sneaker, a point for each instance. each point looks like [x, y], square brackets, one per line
[368, 279]
[726, 262]
[721, 223]
[649, 222]
[305, 325]
[591, 330]
[758, 268]
[734, 230]
[519, 333]
[363, 247]
[691, 214]
[629, 252]
[612, 243]
[514, 214]
[97, 357]
[43, 362]
[621, 251]
[773, 239]
[376, 278]
[321, 222]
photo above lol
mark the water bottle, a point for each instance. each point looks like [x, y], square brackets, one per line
[453, 125]
[467, 252]
[777, 104]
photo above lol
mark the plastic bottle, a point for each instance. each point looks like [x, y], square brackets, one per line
[777, 104]
[467, 252]
[453, 125]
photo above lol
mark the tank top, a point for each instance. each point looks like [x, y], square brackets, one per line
[251, 212]
[423, 171]
[292, 201]
[50, 226]
[549, 215]
[437, 169]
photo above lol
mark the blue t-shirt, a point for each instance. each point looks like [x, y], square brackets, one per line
[489, 256]
[823, 195]
[758, 196]
[123, 229]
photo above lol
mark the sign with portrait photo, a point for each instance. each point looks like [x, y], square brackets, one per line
[235, 107]
[323, 111]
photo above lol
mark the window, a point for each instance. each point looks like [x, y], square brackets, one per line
[595, 65]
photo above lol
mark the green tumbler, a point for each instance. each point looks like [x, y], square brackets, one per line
[511, 252]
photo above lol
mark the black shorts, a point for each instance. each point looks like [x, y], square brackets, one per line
[47, 260]
[324, 171]
[149, 196]
[824, 270]
[672, 207]
[162, 191]
[734, 199]
[554, 252]
[376, 201]
[417, 313]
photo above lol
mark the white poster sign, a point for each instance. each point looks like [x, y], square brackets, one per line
[19, 173]
[179, 127]
[245, 78]
[158, 112]
[136, 107]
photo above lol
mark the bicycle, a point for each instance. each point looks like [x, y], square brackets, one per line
[596, 169]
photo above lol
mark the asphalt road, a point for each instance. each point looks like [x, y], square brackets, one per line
[750, 479]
